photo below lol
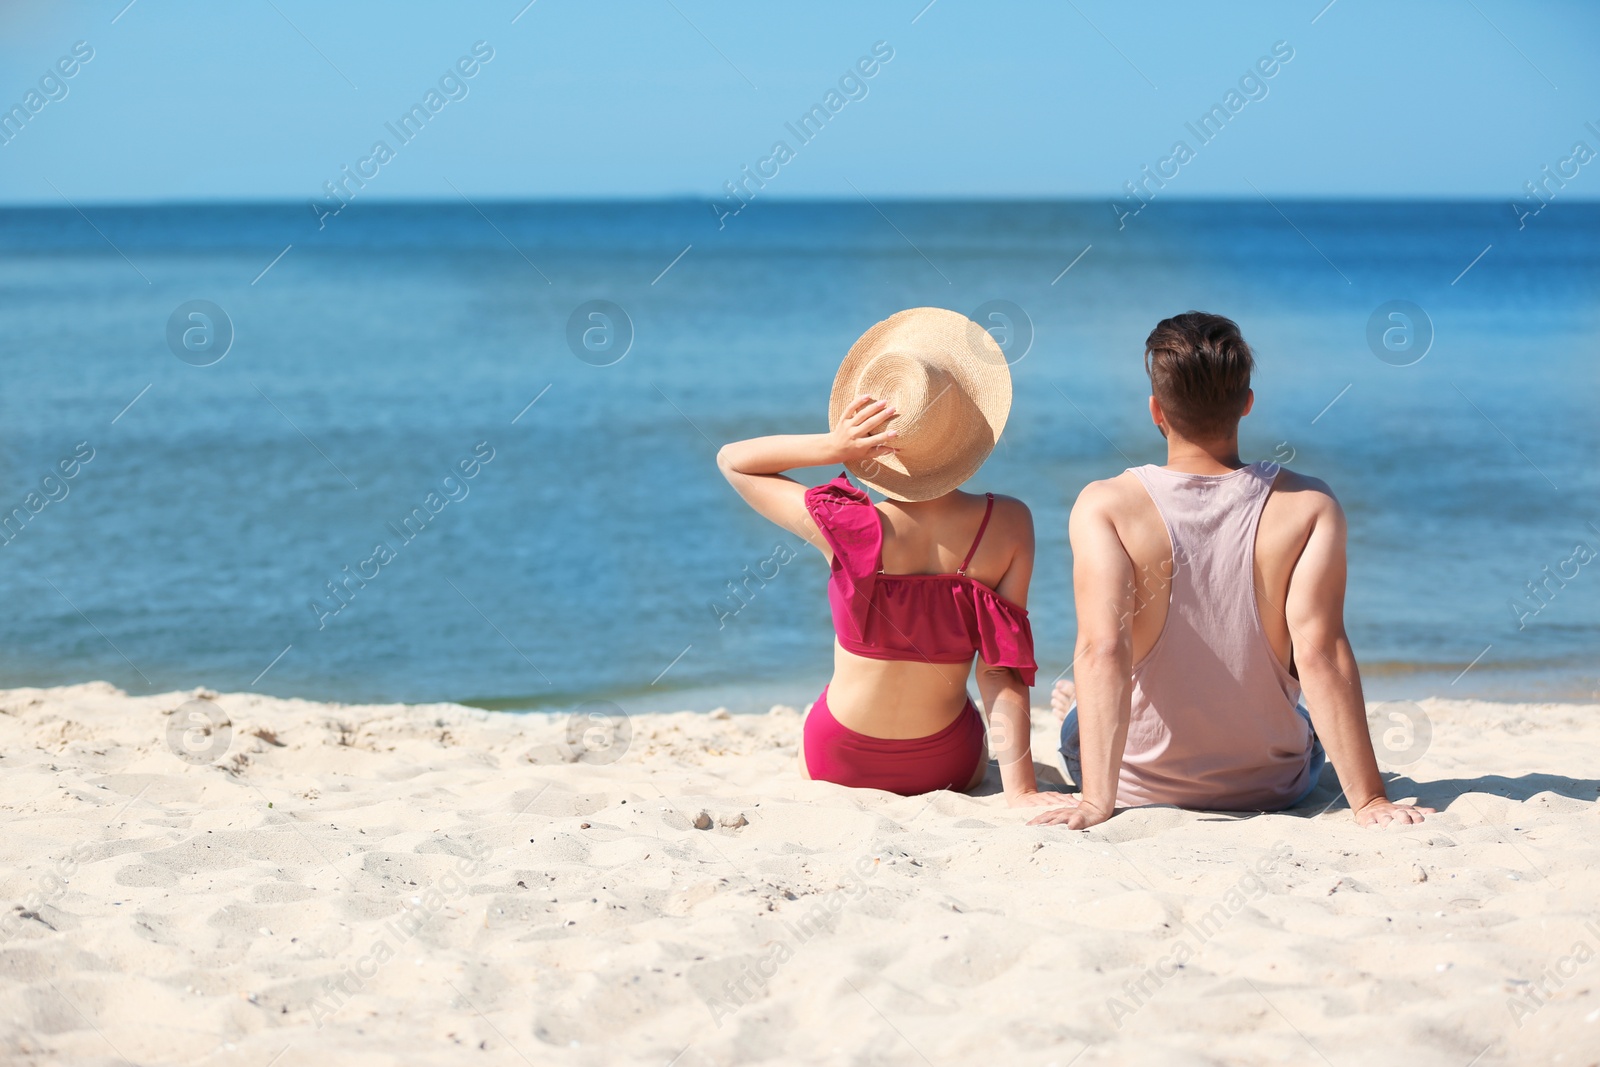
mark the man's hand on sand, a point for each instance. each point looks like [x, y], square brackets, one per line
[1036, 799]
[1381, 812]
[1074, 816]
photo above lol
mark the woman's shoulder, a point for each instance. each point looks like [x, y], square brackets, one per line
[1009, 527]
[837, 493]
[1012, 506]
[844, 515]
[1011, 518]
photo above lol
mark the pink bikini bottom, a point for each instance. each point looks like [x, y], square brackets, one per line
[907, 765]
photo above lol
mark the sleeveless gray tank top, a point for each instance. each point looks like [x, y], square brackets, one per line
[1214, 721]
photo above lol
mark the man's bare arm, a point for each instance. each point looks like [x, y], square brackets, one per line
[1328, 672]
[1103, 587]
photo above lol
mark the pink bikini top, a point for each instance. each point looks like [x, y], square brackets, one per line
[928, 618]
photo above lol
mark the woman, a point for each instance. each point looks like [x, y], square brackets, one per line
[922, 583]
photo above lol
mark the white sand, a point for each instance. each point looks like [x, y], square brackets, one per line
[482, 899]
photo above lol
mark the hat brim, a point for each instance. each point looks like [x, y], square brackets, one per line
[980, 385]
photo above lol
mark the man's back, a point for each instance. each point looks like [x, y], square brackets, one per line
[1212, 551]
[1293, 509]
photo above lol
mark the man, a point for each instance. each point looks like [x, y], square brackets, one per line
[1210, 594]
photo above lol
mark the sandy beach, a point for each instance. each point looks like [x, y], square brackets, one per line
[330, 884]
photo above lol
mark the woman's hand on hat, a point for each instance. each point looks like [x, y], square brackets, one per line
[860, 434]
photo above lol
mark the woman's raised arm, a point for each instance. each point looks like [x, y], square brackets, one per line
[755, 467]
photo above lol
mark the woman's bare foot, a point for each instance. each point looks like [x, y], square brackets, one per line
[1062, 698]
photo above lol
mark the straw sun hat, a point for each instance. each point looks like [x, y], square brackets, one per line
[948, 381]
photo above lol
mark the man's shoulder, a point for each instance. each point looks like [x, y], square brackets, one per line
[1306, 503]
[1304, 489]
[1110, 503]
[1108, 494]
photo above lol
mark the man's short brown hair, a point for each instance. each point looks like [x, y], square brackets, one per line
[1199, 367]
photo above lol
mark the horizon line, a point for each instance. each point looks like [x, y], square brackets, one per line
[690, 198]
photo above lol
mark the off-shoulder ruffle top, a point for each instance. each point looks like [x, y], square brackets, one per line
[928, 618]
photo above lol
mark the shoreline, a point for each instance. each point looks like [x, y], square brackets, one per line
[372, 880]
[1382, 681]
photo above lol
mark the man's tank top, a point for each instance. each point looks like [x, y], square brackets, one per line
[1214, 721]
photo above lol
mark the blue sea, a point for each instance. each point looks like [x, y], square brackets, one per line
[502, 418]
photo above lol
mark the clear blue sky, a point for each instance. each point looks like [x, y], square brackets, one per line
[251, 99]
